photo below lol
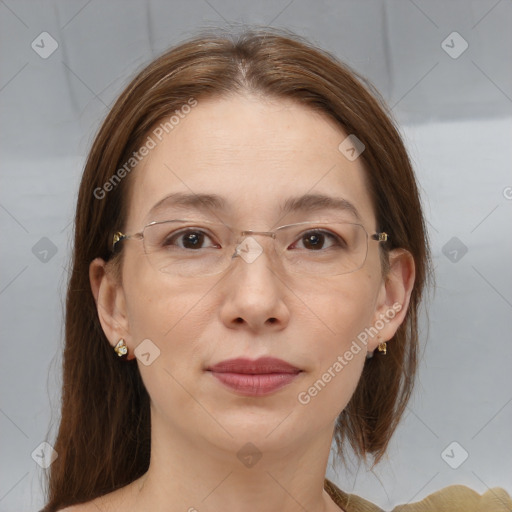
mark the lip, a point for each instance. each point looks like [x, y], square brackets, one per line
[258, 377]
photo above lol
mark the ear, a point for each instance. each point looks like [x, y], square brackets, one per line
[394, 296]
[110, 303]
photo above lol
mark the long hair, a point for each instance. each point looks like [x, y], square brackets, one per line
[103, 440]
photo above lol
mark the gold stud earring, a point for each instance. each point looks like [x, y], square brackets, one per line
[121, 348]
[382, 347]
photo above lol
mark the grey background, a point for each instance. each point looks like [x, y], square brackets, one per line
[456, 118]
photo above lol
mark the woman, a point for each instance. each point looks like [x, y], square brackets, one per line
[250, 255]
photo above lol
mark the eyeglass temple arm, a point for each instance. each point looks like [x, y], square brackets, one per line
[380, 237]
[118, 236]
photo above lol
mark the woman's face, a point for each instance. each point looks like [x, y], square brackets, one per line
[256, 154]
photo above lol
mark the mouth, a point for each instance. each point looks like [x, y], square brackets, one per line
[258, 377]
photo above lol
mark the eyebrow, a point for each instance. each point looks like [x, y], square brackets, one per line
[304, 203]
[317, 202]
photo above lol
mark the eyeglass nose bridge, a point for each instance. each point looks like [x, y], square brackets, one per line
[250, 232]
[264, 233]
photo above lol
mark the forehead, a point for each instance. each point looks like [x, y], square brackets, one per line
[257, 155]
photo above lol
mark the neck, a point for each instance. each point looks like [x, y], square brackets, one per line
[269, 474]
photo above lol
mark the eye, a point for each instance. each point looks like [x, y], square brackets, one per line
[316, 240]
[188, 239]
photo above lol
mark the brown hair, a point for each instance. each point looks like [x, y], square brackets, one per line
[103, 441]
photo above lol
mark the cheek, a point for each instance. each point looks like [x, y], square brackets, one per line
[159, 306]
[174, 317]
[165, 310]
[343, 306]
[336, 353]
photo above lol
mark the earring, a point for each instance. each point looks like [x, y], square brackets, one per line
[121, 348]
[382, 347]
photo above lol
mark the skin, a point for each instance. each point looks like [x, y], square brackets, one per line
[236, 147]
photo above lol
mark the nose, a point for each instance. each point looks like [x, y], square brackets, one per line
[254, 292]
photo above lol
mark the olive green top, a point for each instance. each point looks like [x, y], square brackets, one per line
[454, 498]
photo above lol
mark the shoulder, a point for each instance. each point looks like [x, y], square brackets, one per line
[454, 498]
[460, 497]
[348, 502]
